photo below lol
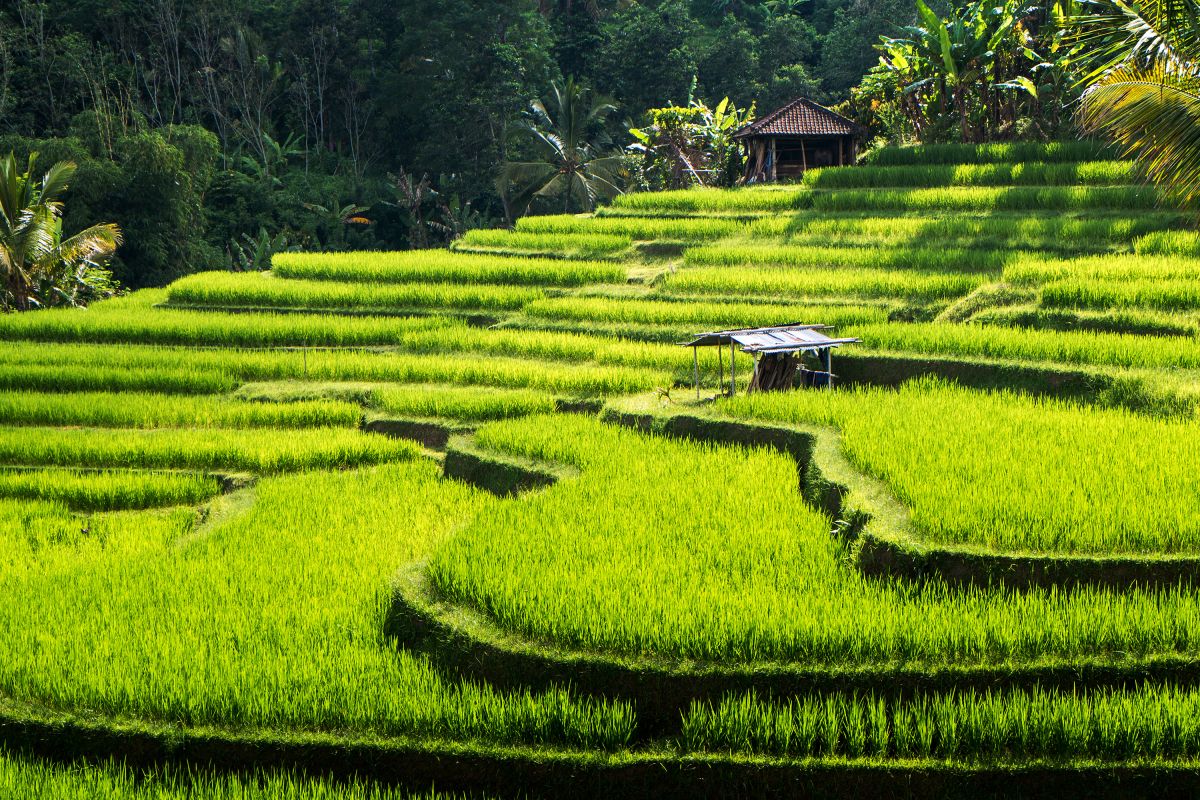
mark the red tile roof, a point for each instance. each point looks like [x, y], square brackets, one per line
[801, 117]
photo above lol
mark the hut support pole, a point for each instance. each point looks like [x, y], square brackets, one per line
[841, 152]
[803, 156]
[696, 370]
[720, 367]
[774, 161]
[827, 357]
[732, 378]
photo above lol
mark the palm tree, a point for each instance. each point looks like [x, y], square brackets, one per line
[571, 167]
[1144, 92]
[38, 266]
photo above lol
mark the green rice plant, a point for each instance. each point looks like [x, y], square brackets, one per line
[631, 227]
[139, 410]
[1142, 723]
[82, 377]
[263, 290]
[104, 322]
[471, 404]
[1032, 270]
[1158, 294]
[698, 313]
[1012, 473]
[1145, 323]
[1070, 347]
[444, 266]
[684, 201]
[989, 153]
[552, 245]
[737, 254]
[780, 283]
[1088, 173]
[1065, 233]
[268, 622]
[93, 367]
[107, 490]
[260, 451]
[46, 538]
[634, 556]
[1017, 198]
[1168, 243]
[30, 779]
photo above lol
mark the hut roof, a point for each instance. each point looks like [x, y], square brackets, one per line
[781, 339]
[801, 117]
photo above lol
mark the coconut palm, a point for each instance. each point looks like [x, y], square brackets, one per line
[571, 167]
[1144, 92]
[38, 266]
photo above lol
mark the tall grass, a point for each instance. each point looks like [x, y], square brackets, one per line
[639, 228]
[271, 621]
[1031, 270]
[443, 266]
[138, 410]
[262, 451]
[470, 404]
[1012, 473]
[49, 780]
[82, 376]
[551, 245]
[737, 253]
[1088, 173]
[637, 556]
[105, 322]
[1018, 198]
[107, 490]
[990, 153]
[699, 313]
[796, 284]
[103, 367]
[1145, 723]
[1070, 347]
[263, 290]
[683, 201]
[1157, 294]
[1169, 243]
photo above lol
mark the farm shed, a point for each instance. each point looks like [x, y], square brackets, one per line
[776, 353]
[790, 140]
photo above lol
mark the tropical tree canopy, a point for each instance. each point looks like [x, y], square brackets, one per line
[39, 267]
[691, 145]
[574, 165]
[1144, 89]
[990, 69]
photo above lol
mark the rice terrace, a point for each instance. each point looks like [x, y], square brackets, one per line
[784, 452]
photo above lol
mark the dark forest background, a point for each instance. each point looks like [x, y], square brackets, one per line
[217, 131]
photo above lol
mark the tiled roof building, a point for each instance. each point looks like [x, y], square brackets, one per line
[798, 136]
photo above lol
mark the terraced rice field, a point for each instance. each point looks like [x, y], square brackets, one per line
[373, 523]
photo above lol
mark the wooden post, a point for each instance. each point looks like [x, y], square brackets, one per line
[696, 370]
[828, 358]
[803, 157]
[732, 377]
[720, 366]
[841, 151]
[774, 161]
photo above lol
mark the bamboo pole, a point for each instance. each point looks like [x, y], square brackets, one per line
[732, 379]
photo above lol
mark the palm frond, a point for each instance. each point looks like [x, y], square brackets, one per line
[1154, 114]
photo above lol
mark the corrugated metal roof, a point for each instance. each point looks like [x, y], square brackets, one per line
[801, 117]
[780, 339]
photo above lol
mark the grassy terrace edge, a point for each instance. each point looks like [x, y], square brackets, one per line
[470, 644]
[417, 764]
